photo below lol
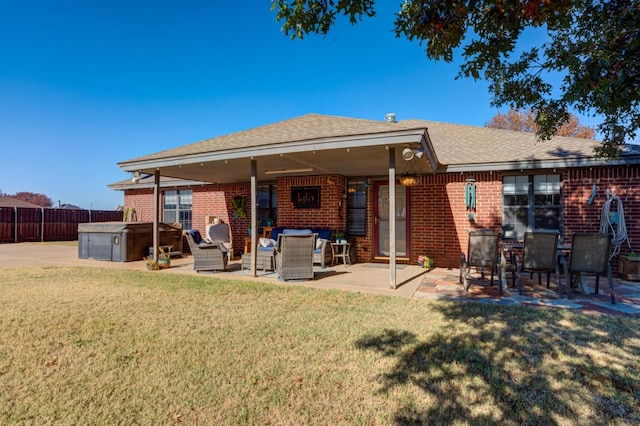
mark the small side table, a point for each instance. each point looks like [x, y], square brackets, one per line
[340, 251]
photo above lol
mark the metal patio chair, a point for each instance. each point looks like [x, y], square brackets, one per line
[539, 255]
[590, 255]
[482, 252]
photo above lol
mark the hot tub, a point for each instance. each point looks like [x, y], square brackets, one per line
[123, 241]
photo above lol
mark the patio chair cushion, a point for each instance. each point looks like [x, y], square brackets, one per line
[320, 242]
[297, 232]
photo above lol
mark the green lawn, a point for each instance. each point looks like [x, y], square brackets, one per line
[103, 346]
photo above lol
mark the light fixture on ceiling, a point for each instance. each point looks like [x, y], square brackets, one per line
[136, 177]
[280, 171]
[407, 154]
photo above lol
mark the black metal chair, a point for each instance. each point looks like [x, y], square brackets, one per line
[482, 252]
[590, 255]
[539, 255]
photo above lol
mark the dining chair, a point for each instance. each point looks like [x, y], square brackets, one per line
[590, 255]
[539, 255]
[482, 252]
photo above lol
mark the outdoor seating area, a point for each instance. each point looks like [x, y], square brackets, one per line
[539, 253]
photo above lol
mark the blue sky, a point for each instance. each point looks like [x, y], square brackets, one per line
[85, 84]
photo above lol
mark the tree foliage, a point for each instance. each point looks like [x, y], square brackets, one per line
[591, 49]
[525, 121]
[33, 198]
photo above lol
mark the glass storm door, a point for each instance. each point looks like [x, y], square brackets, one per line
[381, 223]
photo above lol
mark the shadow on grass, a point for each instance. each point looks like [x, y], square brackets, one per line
[504, 365]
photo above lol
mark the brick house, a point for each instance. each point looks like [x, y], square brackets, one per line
[456, 178]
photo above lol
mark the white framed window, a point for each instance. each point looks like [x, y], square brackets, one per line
[177, 207]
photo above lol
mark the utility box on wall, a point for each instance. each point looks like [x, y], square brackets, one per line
[123, 241]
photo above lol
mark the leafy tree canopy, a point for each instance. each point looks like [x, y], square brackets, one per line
[525, 121]
[33, 198]
[592, 46]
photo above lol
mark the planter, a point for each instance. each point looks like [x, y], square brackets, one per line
[629, 267]
[164, 263]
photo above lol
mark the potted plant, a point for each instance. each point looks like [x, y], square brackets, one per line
[239, 205]
[339, 236]
[629, 266]
[425, 262]
[151, 264]
[164, 259]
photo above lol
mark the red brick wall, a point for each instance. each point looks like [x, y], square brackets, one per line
[142, 202]
[439, 219]
[332, 211]
[577, 187]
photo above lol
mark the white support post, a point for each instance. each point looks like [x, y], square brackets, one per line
[254, 215]
[156, 216]
[392, 218]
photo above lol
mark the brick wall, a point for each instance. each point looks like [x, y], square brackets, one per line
[439, 218]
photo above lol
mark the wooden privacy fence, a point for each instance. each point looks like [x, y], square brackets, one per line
[20, 224]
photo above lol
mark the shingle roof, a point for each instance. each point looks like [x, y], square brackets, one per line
[12, 202]
[460, 144]
[303, 128]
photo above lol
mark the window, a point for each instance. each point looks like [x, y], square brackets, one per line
[356, 209]
[530, 203]
[177, 207]
[267, 198]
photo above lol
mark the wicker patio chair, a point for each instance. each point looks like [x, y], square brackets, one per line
[539, 254]
[482, 252]
[294, 256]
[322, 253]
[590, 255]
[206, 256]
[220, 232]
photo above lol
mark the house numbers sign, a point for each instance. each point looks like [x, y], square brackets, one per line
[305, 197]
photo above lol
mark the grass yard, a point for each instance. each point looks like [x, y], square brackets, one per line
[106, 346]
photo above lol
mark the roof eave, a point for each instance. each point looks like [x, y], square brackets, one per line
[352, 141]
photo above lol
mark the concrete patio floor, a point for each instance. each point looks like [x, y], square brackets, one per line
[412, 281]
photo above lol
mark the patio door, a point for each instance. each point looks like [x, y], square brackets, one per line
[381, 222]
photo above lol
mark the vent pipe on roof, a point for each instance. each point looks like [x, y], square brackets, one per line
[390, 117]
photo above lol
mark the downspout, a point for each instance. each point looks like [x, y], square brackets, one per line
[42, 225]
[15, 224]
[392, 218]
[254, 215]
[156, 216]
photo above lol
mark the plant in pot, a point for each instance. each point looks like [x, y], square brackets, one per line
[425, 261]
[164, 259]
[339, 236]
[151, 264]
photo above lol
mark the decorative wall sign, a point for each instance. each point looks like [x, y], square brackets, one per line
[305, 197]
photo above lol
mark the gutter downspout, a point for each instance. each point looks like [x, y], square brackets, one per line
[42, 225]
[15, 224]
